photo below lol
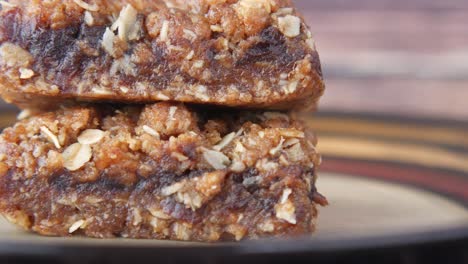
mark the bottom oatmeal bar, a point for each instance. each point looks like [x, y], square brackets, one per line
[163, 171]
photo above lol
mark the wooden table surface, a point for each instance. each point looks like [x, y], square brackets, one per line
[405, 57]
[402, 57]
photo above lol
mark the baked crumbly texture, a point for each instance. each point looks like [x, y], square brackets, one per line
[160, 171]
[244, 53]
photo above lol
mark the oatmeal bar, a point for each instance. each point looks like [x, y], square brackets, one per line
[245, 53]
[161, 171]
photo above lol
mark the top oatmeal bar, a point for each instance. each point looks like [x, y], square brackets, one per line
[244, 53]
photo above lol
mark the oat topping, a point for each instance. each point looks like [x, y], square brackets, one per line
[53, 138]
[295, 153]
[108, 40]
[89, 19]
[290, 25]
[285, 208]
[179, 156]
[292, 133]
[76, 156]
[285, 195]
[195, 192]
[225, 141]
[189, 34]
[278, 148]
[169, 190]
[237, 166]
[151, 131]
[126, 24]
[86, 6]
[26, 73]
[216, 159]
[290, 142]
[164, 31]
[90, 136]
[159, 214]
[75, 226]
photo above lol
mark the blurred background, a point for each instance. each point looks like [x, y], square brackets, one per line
[397, 57]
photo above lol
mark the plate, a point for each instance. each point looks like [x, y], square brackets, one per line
[394, 185]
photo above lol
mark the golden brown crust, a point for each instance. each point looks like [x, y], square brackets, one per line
[241, 53]
[161, 171]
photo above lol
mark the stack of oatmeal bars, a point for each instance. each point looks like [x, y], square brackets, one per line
[163, 119]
